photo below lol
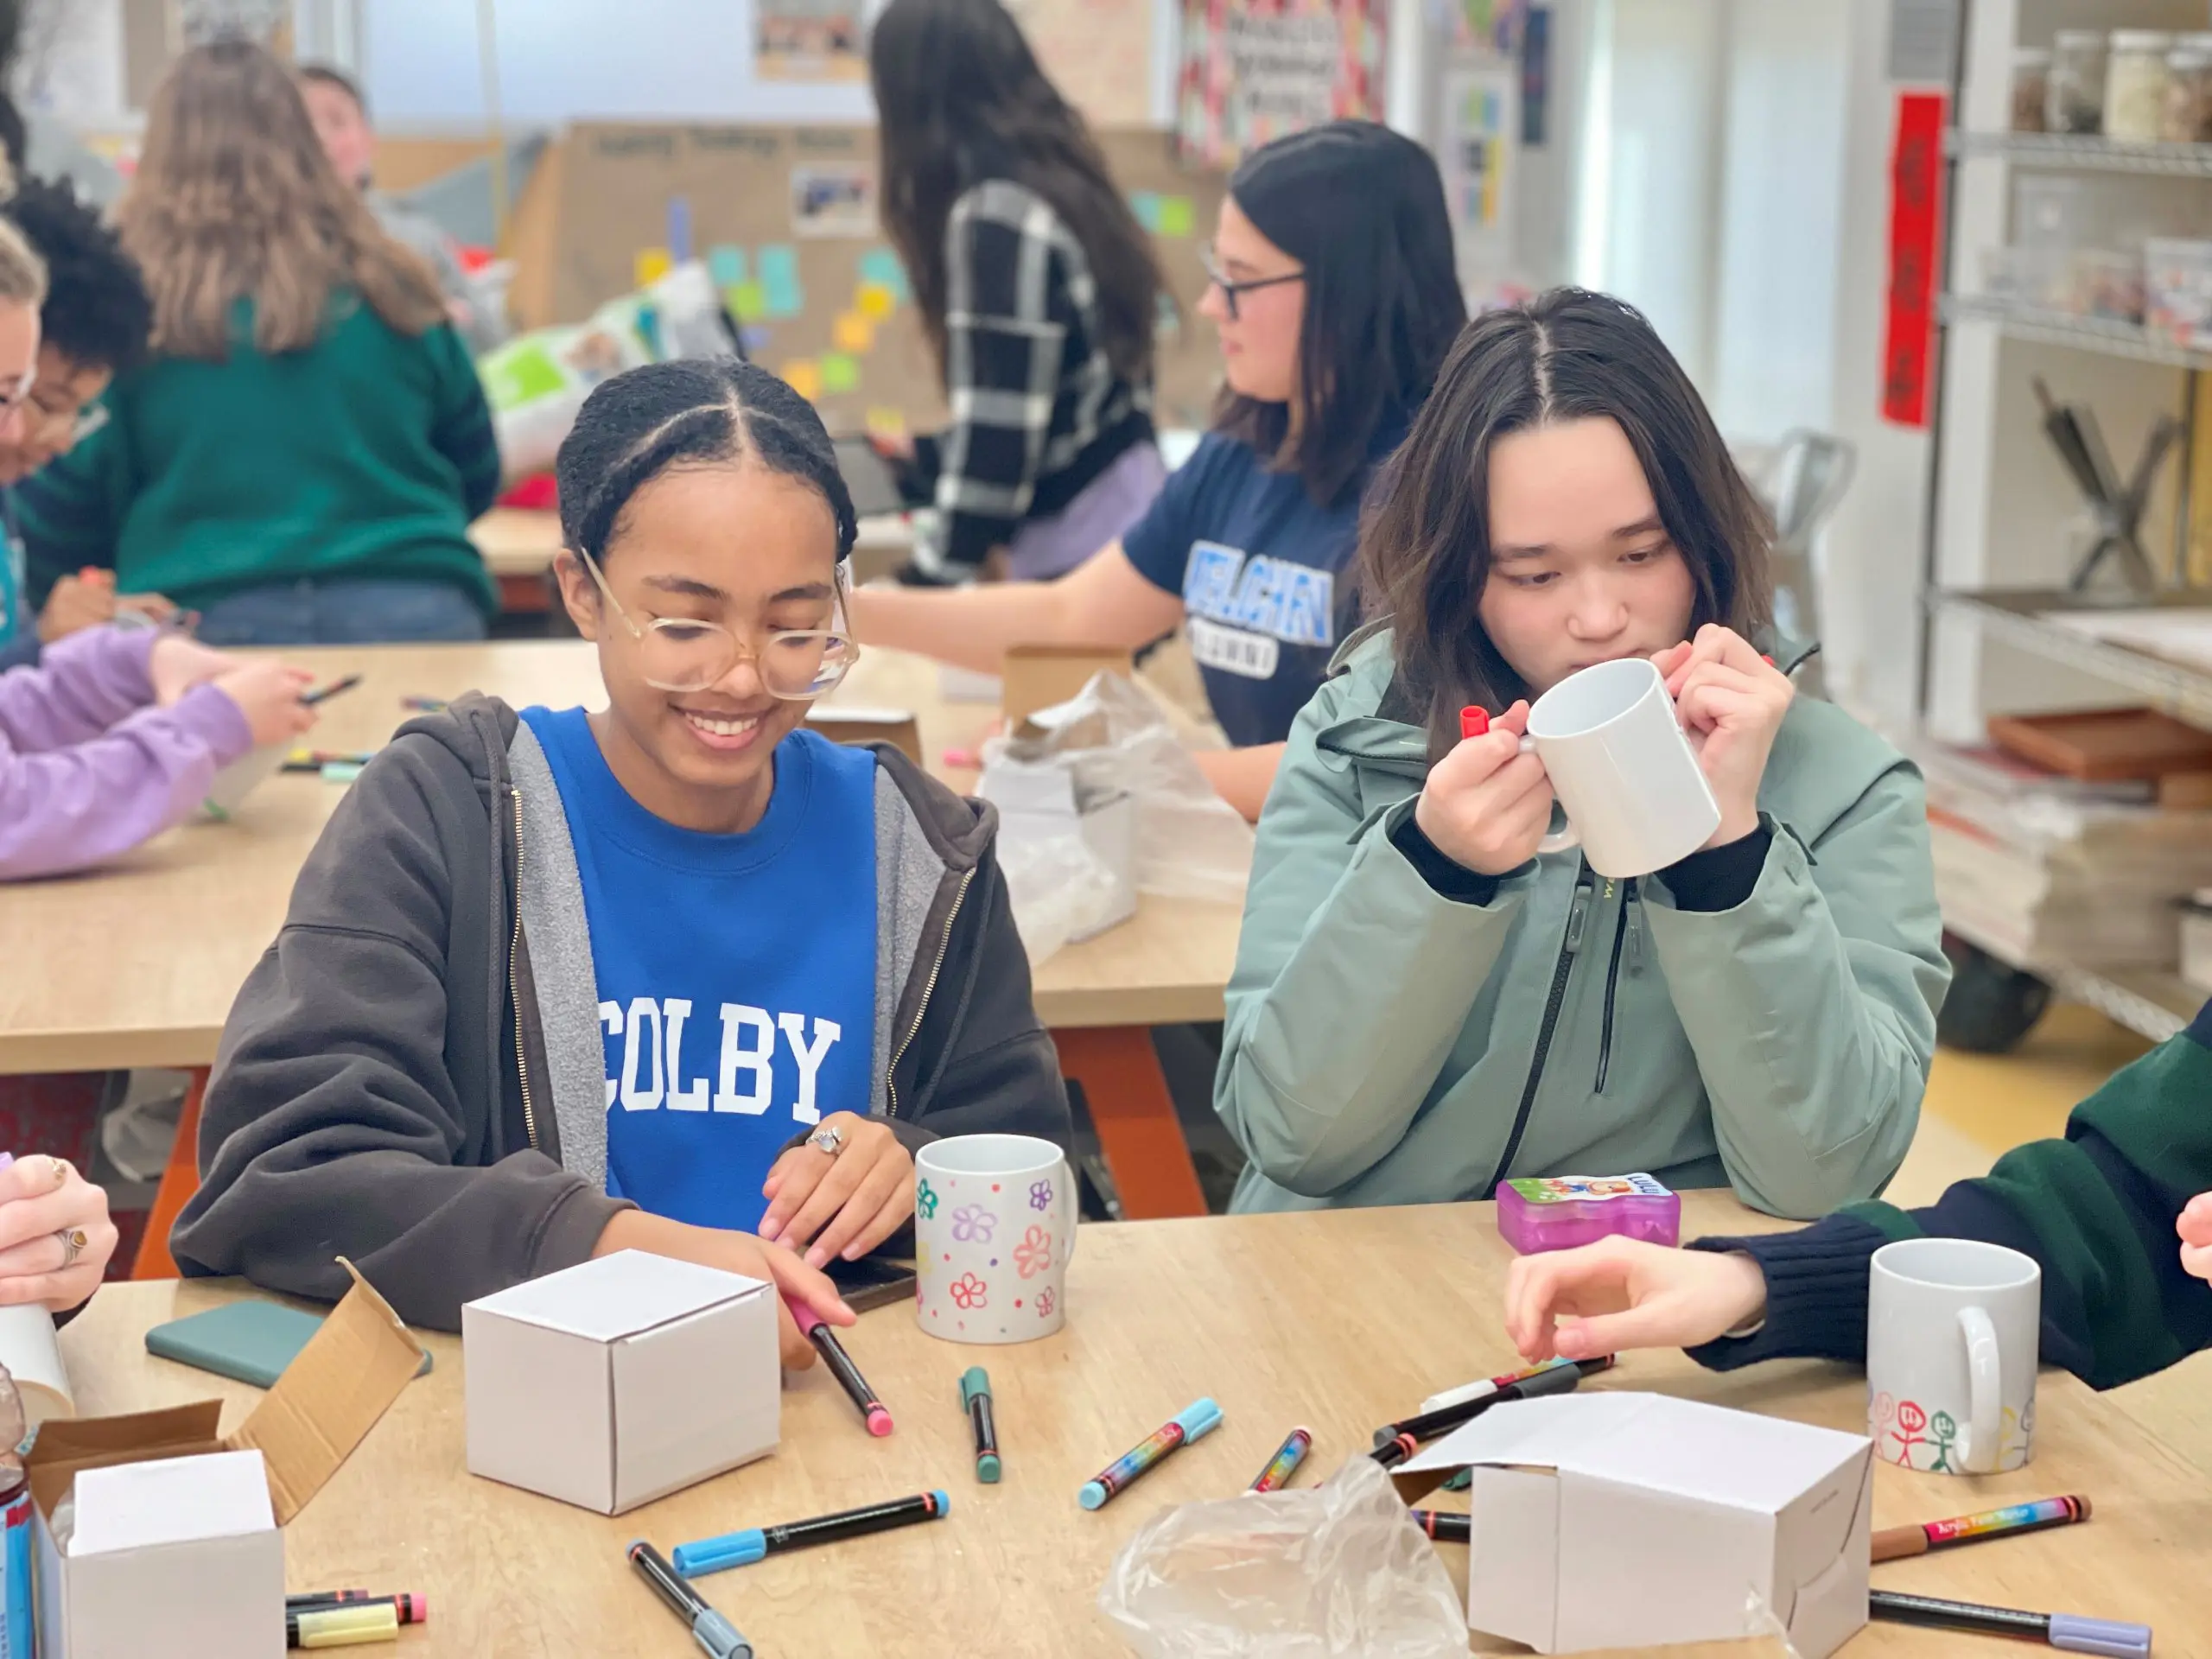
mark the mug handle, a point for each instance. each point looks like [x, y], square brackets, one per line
[1560, 841]
[1984, 1393]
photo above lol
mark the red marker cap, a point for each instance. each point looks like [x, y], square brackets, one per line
[1473, 722]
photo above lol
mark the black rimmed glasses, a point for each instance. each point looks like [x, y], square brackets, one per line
[681, 654]
[1230, 288]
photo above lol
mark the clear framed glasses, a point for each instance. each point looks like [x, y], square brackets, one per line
[680, 654]
[1230, 288]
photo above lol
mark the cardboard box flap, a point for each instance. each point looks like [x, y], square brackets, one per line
[66, 1445]
[624, 1294]
[330, 1396]
[1039, 677]
[1709, 1453]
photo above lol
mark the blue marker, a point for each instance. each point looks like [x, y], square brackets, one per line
[743, 1548]
[1185, 1426]
[708, 1628]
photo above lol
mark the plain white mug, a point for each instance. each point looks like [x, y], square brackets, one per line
[1953, 1329]
[1634, 797]
[994, 1227]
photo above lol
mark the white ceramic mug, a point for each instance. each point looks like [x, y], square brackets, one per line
[228, 788]
[1634, 797]
[994, 1227]
[1952, 1327]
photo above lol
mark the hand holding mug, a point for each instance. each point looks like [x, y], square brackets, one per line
[1486, 805]
[846, 1200]
[1623, 1292]
[1730, 701]
[2196, 1229]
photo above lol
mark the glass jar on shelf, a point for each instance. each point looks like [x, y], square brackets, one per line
[2189, 97]
[2077, 100]
[2030, 89]
[2135, 85]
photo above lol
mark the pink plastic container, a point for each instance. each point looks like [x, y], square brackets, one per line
[1560, 1212]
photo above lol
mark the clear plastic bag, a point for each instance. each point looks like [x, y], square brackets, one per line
[1060, 890]
[1113, 739]
[1337, 1571]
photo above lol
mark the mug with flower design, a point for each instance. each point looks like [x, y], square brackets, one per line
[994, 1227]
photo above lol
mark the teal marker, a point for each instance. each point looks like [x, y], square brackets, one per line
[975, 1397]
[1200, 1418]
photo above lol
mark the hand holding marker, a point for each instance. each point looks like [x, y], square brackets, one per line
[817, 1330]
[1395, 1442]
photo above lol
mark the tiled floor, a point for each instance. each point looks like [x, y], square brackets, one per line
[1979, 1106]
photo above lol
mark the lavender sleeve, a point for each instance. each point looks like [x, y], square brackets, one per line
[71, 807]
[82, 685]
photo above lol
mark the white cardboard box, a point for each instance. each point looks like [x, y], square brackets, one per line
[1623, 1520]
[621, 1379]
[179, 1557]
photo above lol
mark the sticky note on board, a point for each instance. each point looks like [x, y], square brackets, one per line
[780, 284]
[840, 372]
[880, 267]
[650, 265]
[875, 302]
[885, 423]
[852, 333]
[1177, 216]
[755, 339]
[747, 301]
[1146, 204]
[803, 376]
[726, 264]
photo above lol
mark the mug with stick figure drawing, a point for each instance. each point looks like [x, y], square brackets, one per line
[1952, 1329]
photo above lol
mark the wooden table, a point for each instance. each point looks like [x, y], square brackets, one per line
[137, 964]
[1337, 1320]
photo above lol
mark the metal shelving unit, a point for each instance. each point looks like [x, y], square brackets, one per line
[2049, 328]
[2073, 153]
[2151, 1003]
[2021, 617]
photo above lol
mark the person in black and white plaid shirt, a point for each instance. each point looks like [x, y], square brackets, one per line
[1038, 288]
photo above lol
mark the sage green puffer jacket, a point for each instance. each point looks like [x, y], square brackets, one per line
[1387, 1045]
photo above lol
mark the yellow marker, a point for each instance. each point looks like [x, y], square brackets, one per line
[853, 332]
[876, 301]
[803, 376]
[651, 265]
[342, 1627]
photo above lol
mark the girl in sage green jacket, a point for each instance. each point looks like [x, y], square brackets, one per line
[1423, 1005]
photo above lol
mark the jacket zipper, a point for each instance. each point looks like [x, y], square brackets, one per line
[1612, 978]
[943, 945]
[1584, 884]
[514, 998]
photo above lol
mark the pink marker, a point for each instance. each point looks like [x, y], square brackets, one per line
[817, 1332]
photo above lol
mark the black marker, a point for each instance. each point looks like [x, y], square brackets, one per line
[708, 1628]
[1429, 1425]
[975, 1395]
[1444, 1526]
[743, 1548]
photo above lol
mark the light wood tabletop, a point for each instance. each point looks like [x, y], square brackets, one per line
[137, 964]
[1339, 1321]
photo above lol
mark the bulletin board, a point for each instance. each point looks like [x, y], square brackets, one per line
[785, 219]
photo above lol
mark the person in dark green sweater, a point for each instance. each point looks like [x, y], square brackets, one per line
[301, 457]
[2101, 1210]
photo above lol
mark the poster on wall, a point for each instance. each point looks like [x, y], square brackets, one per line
[810, 40]
[1476, 155]
[1254, 70]
[1098, 52]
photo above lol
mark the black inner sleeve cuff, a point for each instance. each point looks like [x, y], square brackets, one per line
[1451, 879]
[1719, 878]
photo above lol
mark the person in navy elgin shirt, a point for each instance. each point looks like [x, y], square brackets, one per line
[676, 975]
[1334, 295]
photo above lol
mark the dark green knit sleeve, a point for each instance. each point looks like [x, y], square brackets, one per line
[2097, 1210]
[71, 511]
[463, 431]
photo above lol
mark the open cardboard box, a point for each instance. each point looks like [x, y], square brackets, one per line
[1038, 676]
[187, 1561]
[896, 726]
[1615, 1519]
